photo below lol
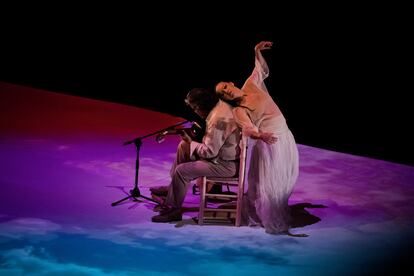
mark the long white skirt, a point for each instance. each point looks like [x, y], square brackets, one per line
[272, 174]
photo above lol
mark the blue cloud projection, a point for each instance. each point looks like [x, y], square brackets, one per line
[43, 247]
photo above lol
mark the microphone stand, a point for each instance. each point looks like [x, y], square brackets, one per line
[135, 192]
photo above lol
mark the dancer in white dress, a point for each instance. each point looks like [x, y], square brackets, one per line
[274, 163]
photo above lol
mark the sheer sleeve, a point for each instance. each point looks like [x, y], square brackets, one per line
[243, 121]
[260, 72]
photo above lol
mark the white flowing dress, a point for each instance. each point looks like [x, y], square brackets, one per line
[273, 168]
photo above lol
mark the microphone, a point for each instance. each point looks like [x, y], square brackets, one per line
[161, 137]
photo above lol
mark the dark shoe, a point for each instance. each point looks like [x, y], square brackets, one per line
[160, 190]
[171, 215]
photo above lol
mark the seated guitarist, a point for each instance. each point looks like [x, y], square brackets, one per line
[215, 156]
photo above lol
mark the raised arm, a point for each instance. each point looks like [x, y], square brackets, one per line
[261, 70]
[260, 62]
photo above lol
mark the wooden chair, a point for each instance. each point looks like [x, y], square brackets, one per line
[231, 215]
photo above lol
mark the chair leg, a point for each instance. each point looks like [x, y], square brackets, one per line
[202, 202]
[239, 207]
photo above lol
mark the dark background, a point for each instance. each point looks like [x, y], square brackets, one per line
[339, 76]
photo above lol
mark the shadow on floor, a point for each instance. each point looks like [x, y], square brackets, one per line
[301, 217]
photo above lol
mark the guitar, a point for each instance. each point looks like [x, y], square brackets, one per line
[195, 131]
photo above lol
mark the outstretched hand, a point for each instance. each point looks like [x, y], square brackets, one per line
[263, 45]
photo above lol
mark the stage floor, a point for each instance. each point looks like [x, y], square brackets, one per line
[63, 163]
